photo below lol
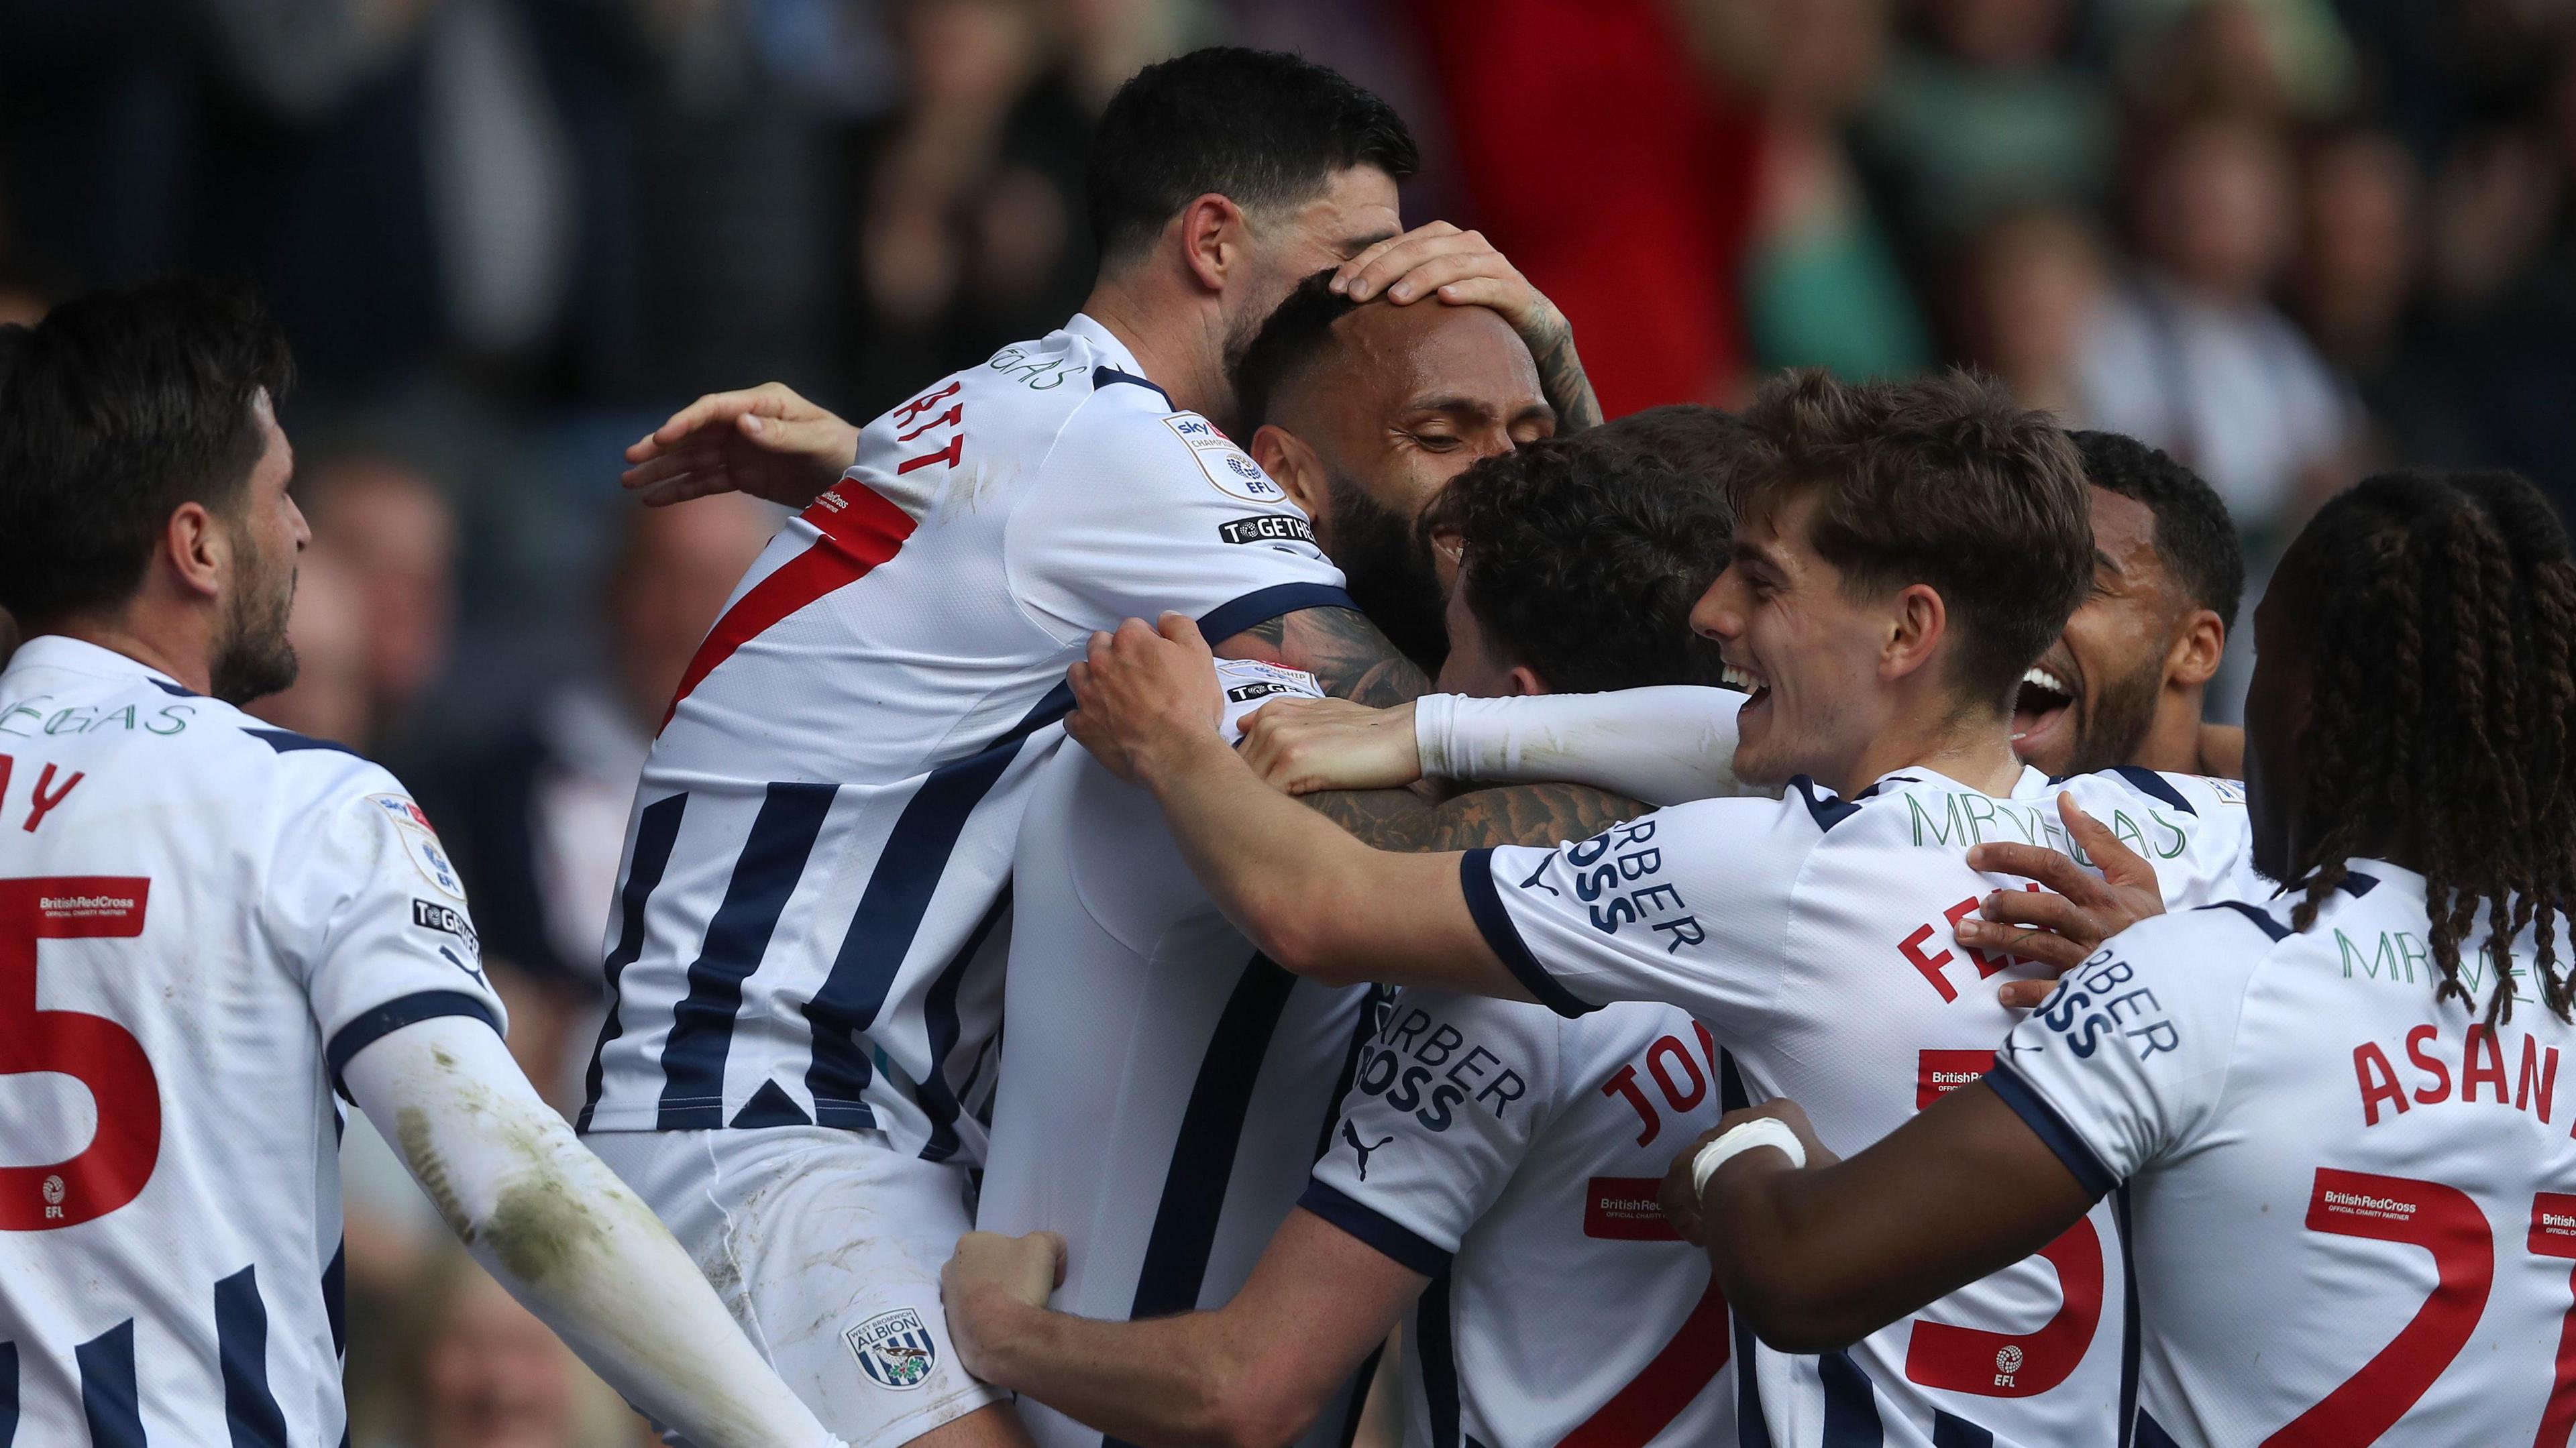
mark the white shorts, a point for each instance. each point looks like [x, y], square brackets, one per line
[826, 1246]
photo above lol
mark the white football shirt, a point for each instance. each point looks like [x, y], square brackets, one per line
[1512, 1156]
[2353, 1207]
[1813, 935]
[807, 925]
[201, 920]
[1164, 1087]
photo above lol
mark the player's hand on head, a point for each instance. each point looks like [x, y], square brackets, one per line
[2061, 923]
[1306, 745]
[1141, 690]
[765, 441]
[988, 1278]
[1461, 268]
[1680, 1195]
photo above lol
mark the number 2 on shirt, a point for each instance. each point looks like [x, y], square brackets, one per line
[2446, 1222]
[93, 1050]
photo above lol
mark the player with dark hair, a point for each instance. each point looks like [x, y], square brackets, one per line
[812, 917]
[2124, 682]
[211, 926]
[1363, 412]
[1901, 555]
[2331, 1119]
[1581, 518]
[1567, 1308]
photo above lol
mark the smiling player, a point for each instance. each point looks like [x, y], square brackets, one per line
[1903, 554]
[2331, 1119]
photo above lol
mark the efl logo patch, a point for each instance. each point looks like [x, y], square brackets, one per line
[894, 1349]
[421, 843]
[1266, 528]
[1232, 470]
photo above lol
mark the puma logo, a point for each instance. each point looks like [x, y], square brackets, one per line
[1362, 1148]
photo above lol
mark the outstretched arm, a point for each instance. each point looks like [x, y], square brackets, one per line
[1251, 1374]
[1316, 900]
[567, 1238]
[1818, 1257]
[1352, 660]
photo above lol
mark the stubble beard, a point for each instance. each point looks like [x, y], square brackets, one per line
[254, 659]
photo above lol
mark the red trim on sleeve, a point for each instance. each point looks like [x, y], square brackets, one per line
[860, 529]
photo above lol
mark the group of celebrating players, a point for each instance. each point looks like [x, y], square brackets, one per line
[1011, 998]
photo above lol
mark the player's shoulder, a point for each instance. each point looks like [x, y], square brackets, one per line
[2194, 801]
[2217, 946]
[1158, 446]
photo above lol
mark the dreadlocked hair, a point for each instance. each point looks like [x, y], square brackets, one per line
[2441, 610]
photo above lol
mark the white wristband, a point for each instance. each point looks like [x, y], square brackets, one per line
[1433, 715]
[1760, 1132]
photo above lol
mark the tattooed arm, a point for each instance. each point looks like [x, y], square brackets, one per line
[1352, 660]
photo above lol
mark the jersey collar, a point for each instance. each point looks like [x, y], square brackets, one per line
[2031, 785]
[71, 655]
[1112, 352]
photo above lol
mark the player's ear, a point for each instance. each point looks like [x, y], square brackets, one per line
[1524, 681]
[198, 548]
[1212, 235]
[2198, 646]
[1291, 463]
[1917, 622]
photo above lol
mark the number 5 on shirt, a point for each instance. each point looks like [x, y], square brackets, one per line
[93, 1050]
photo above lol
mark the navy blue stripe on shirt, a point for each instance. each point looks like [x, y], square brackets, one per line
[940, 1024]
[1826, 810]
[2051, 1128]
[2129, 1339]
[1364, 1024]
[8, 1394]
[335, 1300]
[106, 1364]
[1407, 1248]
[1355, 1409]
[764, 876]
[1264, 604]
[1494, 922]
[286, 741]
[2146, 781]
[241, 1347]
[1752, 1426]
[657, 829]
[1436, 1347]
[2261, 917]
[1105, 375]
[373, 1026]
[2152, 1434]
[909, 866]
[1949, 1430]
[1851, 1404]
[1185, 1217]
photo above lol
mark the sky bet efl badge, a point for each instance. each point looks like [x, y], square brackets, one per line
[895, 1349]
[1232, 470]
[421, 843]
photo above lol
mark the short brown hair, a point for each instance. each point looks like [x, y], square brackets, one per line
[1943, 481]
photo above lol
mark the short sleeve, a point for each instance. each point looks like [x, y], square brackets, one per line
[1687, 905]
[367, 906]
[2124, 1063]
[1142, 512]
[1444, 1105]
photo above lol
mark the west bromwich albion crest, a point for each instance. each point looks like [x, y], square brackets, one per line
[895, 1349]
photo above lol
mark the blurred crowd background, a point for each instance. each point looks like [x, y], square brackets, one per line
[2287, 240]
